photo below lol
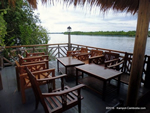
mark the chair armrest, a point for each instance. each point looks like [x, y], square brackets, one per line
[113, 60]
[73, 52]
[33, 62]
[64, 91]
[45, 57]
[32, 57]
[115, 65]
[53, 78]
[95, 57]
[83, 54]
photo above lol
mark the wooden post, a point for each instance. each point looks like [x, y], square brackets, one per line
[69, 40]
[139, 51]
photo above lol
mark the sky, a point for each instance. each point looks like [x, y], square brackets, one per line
[57, 17]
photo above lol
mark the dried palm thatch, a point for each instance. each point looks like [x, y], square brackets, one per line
[122, 5]
[119, 5]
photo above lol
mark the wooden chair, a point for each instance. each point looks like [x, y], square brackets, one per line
[37, 54]
[107, 59]
[93, 54]
[119, 65]
[23, 82]
[75, 54]
[58, 100]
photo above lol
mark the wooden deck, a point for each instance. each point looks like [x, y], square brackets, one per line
[10, 98]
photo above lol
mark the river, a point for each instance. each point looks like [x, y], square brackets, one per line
[120, 43]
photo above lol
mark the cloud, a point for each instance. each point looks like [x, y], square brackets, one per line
[58, 17]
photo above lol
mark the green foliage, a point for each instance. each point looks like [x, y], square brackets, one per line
[111, 33]
[2, 27]
[22, 28]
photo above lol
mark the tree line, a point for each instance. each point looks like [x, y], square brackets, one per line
[112, 33]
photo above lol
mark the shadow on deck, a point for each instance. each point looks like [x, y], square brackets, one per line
[10, 98]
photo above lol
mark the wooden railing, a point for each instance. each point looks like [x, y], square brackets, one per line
[53, 50]
[60, 50]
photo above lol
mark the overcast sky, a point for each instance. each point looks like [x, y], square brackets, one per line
[58, 17]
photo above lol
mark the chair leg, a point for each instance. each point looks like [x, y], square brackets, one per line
[17, 77]
[23, 96]
[22, 91]
[37, 103]
[79, 106]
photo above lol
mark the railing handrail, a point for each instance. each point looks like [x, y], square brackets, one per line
[36, 45]
[100, 48]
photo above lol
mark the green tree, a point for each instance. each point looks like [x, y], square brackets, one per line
[22, 28]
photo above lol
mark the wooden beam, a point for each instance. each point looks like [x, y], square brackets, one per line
[139, 52]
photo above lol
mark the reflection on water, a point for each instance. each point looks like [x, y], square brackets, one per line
[107, 42]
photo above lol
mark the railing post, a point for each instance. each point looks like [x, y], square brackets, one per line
[125, 62]
[58, 51]
[78, 47]
[33, 49]
[47, 49]
[70, 47]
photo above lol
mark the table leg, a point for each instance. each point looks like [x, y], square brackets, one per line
[104, 90]
[66, 70]
[76, 76]
[118, 87]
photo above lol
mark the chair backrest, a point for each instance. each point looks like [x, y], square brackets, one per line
[110, 56]
[31, 67]
[34, 54]
[84, 50]
[36, 89]
[29, 59]
[96, 52]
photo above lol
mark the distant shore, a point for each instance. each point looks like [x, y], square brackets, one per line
[107, 33]
[111, 33]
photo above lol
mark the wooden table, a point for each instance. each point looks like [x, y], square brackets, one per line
[68, 62]
[101, 73]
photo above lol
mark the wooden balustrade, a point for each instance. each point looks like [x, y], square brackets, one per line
[60, 50]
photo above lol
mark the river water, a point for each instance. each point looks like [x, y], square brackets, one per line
[120, 43]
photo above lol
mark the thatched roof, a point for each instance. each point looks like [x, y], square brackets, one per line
[122, 5]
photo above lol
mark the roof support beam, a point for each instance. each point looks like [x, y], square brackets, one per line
[139, 52]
